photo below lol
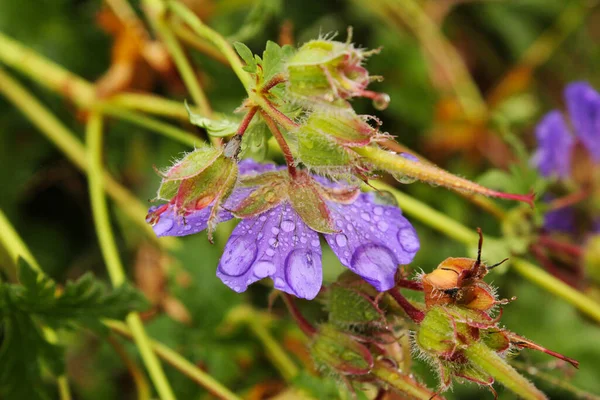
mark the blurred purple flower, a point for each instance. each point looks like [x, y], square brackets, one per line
[555, 142]
[372, 241]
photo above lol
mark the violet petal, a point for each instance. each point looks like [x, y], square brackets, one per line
[275, 244]
[583, 103]
[553, 156]
[374, 239]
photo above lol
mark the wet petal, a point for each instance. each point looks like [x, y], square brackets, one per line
[275, 244]
[553, 156]
[170, 223]
[583, 103]
[373, 239]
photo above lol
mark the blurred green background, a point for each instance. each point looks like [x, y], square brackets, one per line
[519, 54]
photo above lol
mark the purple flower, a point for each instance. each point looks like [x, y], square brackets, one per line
[555, 142]
[372, 240]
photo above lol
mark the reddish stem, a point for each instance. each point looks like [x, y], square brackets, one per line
[287, 153]
[409, 284]
[568, 248]
[569, 200]
[304, 325]
[274, 81]
[539, 253]
[413, 312]
[246, 121]
[278, 116]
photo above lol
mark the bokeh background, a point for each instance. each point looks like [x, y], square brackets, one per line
[513, 56]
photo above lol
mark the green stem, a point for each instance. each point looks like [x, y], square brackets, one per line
[69, 145]
[179, 363]
[169, 131]
[461, 233]
[110, 253]
[401, 382]
[155, 10]
[487, 359]
[215, 38]
[151, 104]
[16, 248]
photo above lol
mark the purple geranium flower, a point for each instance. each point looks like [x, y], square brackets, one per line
[555, 141]
[372, 240]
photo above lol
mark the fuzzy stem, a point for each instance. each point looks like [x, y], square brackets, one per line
[487, 359]
[215, 38]
[178, 362]
[69, 145]
[409, 284]
[246, 121]
[402, 383]
[156, 12]
[287, 153]
[274, 81]
[455, 230]
[413, 312]
[431, 174]
[191, 39]
[151, 104]
[111, 255]
[304, 325]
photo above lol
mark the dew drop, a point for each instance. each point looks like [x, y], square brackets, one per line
[262, 269]
[408, 239]
[274, 230]
[270, 252]
[163, 226]
[302, 275]
[279, 284]
[315, 243]
[382, 226]
[381, 101]
[378, 210]
[404, 179]
[341, 240]
[238, 256]
[187, 227]
[303, 239]
[272, 242]
[376, 264]
[287, 225]
[365, 216]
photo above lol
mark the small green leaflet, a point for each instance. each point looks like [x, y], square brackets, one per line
[246, 55]
[37, 302]
[214, 127]
[274, 58]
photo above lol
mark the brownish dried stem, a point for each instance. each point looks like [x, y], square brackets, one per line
[287, 153]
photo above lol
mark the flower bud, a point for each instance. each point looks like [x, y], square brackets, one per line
[329, 71]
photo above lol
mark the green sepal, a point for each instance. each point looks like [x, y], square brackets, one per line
[192, 164]
[340, 353]
[495, 339]
[345, 126]
[167, 190]
[316, 150]
[436, 334]
[308, 202]
[351, 308]
[262, 199]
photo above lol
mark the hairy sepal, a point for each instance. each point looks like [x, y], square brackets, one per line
[307, 200]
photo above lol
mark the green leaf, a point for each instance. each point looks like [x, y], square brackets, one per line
[246, 55]
[274, 58]
[214, 127]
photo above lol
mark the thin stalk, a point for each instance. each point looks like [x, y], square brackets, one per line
[487, 359]
[139, 379]
[413, 312]
[246, 121]
[191, 39]
[16, 248]
[180, 363]
[156, 12]
[402, 383]
[202, 30]
[432, 174]
[169, 131]
[303, 324]
[461, 233]
[111, 255]
[287, 152]
[151, 104]
[72, 148]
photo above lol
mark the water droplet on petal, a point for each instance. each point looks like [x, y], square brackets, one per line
[287, 225]
[303, 239]
[403, 178]
[263, 218]
[302, 275]
[270, 252]
[378, 210]
[262, 269]
[162, 226]
[315, 243]
[279, 283]
[382, 226]
[408, 239]
[365, 216]
[341, 240]
[376, 264]
[238, 256]
[274, 230]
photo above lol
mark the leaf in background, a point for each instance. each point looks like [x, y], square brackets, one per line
[257, 19]
[38, 300]
[214, 127]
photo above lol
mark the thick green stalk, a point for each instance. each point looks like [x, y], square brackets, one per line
[180, 363]
[401, 382]
[487, 359]
[156, 12]
[215, 38]
[16, 248]
[69, 145]
[110, 252]
[460, 233]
